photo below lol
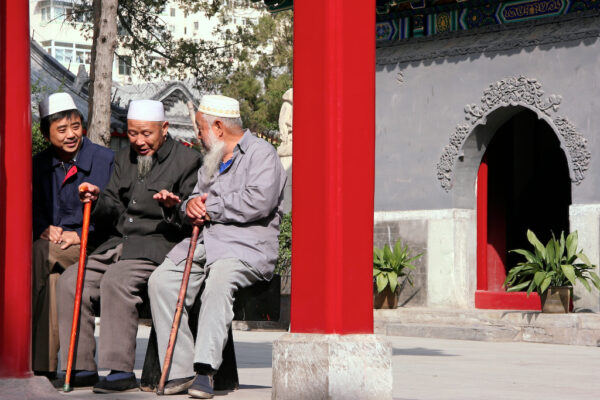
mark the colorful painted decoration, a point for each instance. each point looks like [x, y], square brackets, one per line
[443, 17]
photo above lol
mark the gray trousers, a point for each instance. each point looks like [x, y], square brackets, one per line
[223, 278]
[117, 283]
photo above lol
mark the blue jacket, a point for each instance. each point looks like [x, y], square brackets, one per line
[56, 199]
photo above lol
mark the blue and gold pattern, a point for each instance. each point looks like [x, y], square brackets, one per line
[467, 15]
[525, 10]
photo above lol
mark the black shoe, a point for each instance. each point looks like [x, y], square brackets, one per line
[108, 385]
[202, 387]
[179, 385]
[79, 379]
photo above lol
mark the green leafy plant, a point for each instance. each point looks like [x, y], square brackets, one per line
[284, 260]
[556, 264]
[389, 264]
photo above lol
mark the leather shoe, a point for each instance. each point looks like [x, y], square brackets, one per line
[202, 387]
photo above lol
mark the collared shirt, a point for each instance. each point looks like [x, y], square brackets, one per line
[245, 205]
[127, 204]
[55, 188]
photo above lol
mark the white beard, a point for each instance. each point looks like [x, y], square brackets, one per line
[144, 165]
[213, 157]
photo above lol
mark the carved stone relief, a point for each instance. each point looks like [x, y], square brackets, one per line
[285, 124]
[516, 91]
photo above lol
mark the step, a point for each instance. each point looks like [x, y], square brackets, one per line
[490, 325]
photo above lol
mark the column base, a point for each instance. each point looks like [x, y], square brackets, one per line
[34, 388]
[315, 366]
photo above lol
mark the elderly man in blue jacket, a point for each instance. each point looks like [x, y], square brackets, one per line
[238, 201]
[57, 214]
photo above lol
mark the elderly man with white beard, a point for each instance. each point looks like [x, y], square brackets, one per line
[238, 202]
[135, 203]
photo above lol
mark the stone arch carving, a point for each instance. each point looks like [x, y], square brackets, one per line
[516, 91]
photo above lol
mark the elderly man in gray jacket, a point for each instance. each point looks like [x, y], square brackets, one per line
[238, 201]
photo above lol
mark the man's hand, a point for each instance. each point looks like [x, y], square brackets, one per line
[88, 192]
[52, 233]
[166, 198]
[196, 210]
[68, 239]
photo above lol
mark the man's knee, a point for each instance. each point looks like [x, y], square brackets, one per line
[113, 281]
[154, 282]
[221, 279]
[66, 282]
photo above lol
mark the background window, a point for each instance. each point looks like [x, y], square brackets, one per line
[124, 65]
[172, 12]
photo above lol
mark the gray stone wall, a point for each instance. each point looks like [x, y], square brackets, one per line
[414, 234]
[423, 87]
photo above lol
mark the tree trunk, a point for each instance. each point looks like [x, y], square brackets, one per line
[103, 50]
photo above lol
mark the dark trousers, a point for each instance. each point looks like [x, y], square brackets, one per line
[117, 284]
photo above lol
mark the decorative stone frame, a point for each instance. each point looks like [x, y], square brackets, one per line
[500, 101]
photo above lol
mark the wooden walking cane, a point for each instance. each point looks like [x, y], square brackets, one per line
[178, 310]
[87, 209]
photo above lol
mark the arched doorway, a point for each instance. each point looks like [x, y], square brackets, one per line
[523, 183]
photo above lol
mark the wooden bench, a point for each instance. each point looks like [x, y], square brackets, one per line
[259, 302]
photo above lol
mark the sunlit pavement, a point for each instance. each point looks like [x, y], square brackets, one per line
[429, 369]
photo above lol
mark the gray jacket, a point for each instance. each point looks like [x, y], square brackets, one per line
[245, 207]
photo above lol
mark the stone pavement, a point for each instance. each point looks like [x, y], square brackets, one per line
[425, 368]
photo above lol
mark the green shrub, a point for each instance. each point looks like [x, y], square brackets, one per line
[555, 264]
[284, 261]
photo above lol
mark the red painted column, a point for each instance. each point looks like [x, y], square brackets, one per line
[15, 190]
[482, 226]
[333, 173]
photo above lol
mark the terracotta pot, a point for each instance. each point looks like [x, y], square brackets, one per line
[556, 299]
[386, 299]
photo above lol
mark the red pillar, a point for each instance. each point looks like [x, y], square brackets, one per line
[333, 173]
[15, 190]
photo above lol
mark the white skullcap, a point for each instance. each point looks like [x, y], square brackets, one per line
[56, 102]
[219, 106]
[146, 110]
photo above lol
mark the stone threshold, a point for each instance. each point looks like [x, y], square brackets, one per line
[581, 329]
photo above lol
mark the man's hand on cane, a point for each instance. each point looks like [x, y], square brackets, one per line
[196, 210]
[88, 192]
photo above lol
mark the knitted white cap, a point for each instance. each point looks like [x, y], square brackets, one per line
[146, 110]
[56, 102]
[219, 106]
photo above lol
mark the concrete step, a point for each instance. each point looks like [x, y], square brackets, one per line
[490, 325]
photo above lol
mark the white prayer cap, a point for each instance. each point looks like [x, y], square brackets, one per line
[56, 102]
[146, 110]
[219, 106]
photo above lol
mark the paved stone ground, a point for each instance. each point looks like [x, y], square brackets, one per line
[423, 369]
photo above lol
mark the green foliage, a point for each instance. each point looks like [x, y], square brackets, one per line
[252, 63]
[284, 261]
[391, 264]
[38, 141]
[263, 73]
[556, 264]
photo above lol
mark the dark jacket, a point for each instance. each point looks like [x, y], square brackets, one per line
[56, 200]
[127, 201]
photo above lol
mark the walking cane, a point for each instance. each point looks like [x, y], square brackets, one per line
[87, 209]
[178, 310]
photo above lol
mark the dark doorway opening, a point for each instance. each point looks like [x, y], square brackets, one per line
[523, 183]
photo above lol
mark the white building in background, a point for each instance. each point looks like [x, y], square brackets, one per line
[51, 26]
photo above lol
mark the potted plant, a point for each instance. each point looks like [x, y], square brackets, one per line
[390, 264]
[552, 271]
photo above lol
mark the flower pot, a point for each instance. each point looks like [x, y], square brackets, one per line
[386, 299]
[556, 299]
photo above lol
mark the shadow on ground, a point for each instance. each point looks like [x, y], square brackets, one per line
[420, 351]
